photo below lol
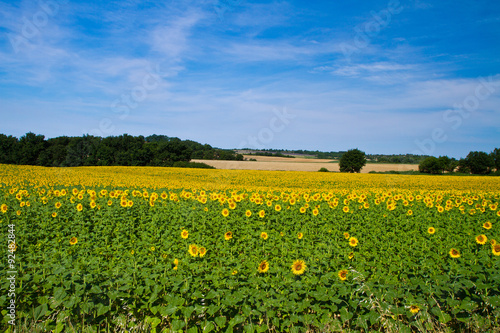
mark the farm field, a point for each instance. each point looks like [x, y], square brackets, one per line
[196, 250]
[299, 164]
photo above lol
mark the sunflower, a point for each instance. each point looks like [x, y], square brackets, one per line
[496, 249]
[351, 255]
[345, 209]
[58, 205]
[263, 266]
[123, 203]
[277, 208]
[228, 235]
[54, 214]
[110, 202]
[353, 241]
[262, 213]
[152, 248]
[73, 241]
[315, 212]
[346, 235]
[481, 239]
[264, 235]
[493, 242]
[225, 212]
[248, 213]
[454, 253]
[410, 212]
[343, 274]
[300, 235]
[234, 272]
[298, 267]
[79, 207]
[202, 251]
[92, 204]
[130, 203]
[431, 230]
[487, 225]
[414, 309]
[185, 234]
[193, 250]
[176, 262]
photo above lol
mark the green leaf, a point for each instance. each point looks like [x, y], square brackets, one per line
[40, 311]
[220, 321]
[59, 327]
[178, 324]
[209, 327]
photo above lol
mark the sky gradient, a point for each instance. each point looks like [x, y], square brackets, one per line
[386, 77]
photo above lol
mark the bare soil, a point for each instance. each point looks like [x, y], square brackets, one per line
[299, 164]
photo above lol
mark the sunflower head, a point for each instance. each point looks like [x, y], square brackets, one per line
[73, 241]
[414, 309]
[300, 235]
[454, 253]
[262, 213]
[353, 241]
[299, 267]
[343, 274]
[431, 230]
[263, 266]
[228, 235]
[248, 213]
[225, 212]
[496, 249]
[264, 235]
[487, 225]
[481, 239]
[185, 234]
[346, 235]
[202, 251]
[193, 250]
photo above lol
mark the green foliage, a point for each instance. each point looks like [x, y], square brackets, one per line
[352, 161]
[477, 162]
[123, 150]
[323, 170]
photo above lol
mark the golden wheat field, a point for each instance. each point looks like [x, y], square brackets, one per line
[196, 250]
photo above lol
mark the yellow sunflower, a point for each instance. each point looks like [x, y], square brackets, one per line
[454, 253]
[79, 207]
[302, 210]
[345, 209]
[353, 241]
[248, 213]
[277, 208]
[262, 213]
[73, 241]
[431, 230]
[202, 251]
[228, 235]
[346, 235]
[496, 249]
[487, 225]
[414, 309]
[185, 234]
[300, 235]
[58, 205]
[193, 250]
[263, 266]
[264, 235]
[481, 239]
[54, 214]
[299, 267]
[343, 274]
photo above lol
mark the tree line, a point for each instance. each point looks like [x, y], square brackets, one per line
[123, 150]
[476, 162]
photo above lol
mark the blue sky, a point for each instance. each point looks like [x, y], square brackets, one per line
[382, 76]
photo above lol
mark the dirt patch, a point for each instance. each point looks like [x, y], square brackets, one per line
[299, 164]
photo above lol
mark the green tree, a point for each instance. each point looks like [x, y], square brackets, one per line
[477, 162]
[352, 161]
[495, 154]
[433, 165]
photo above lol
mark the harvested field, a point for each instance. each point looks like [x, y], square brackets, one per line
[299, 164]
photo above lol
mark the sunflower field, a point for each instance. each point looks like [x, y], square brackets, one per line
[192, 250]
